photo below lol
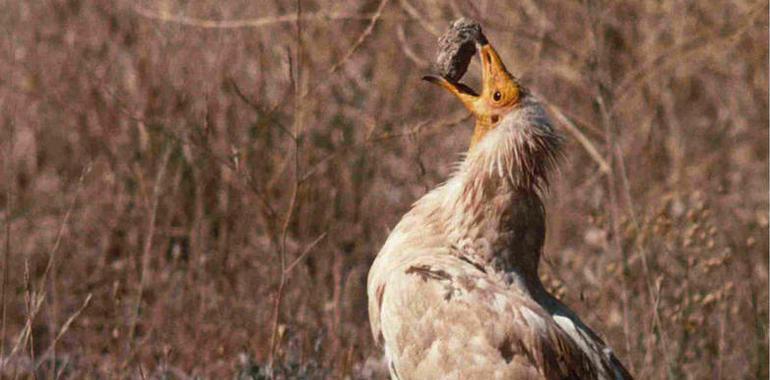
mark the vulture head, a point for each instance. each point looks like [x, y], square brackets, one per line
[513, 136]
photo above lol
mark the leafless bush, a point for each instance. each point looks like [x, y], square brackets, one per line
[198, 188]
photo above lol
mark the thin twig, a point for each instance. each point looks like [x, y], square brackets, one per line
[580, 137]
[421, 20]
[145, 259]
[34, 298]
[50, 269]
[361, 38]
[667, 59]
[304, 253]
[297, 83]
[60, 233]
[617, 157]
[418, 130]
[337, 65]
[7, 254]
[33, 302]
[408, 52]
[654, 291]
[268, 114]
[250, 183]
[64, 330]
[249, 23]
[614, 208]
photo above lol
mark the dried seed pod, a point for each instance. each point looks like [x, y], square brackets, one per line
[456, 47]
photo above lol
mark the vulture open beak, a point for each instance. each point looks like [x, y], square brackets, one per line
[499, 88]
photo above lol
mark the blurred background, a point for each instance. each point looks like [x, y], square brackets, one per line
[196, 189]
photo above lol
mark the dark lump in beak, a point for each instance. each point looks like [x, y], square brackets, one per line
[457, 47]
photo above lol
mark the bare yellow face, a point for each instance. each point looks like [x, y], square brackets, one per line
[500, 92]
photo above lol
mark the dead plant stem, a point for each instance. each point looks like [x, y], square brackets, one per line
[146, 249]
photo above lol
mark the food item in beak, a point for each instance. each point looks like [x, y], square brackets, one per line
[456, 47]
[500, 90]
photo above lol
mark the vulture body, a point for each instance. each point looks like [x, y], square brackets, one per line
[454, 293]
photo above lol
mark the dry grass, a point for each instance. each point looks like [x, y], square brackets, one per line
[186, 197]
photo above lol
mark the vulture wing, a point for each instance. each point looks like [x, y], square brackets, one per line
[443, 317]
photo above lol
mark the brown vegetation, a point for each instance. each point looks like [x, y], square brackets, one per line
[183, 196]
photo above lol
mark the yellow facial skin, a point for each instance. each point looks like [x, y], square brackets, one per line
[500, 92]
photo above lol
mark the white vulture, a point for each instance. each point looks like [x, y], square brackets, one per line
[454, 293]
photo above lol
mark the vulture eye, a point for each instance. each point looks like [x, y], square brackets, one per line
[497, 96]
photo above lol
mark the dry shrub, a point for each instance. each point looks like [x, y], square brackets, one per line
[214, 154]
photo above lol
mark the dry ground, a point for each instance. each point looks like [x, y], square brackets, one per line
[163, 162]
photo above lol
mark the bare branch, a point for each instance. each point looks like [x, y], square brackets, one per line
[580, 137]
[361, 38]
[64, 329]
[145, 259]
[250, 23]
[304, 253]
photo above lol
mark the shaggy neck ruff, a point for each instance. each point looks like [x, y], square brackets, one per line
[491, 209]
